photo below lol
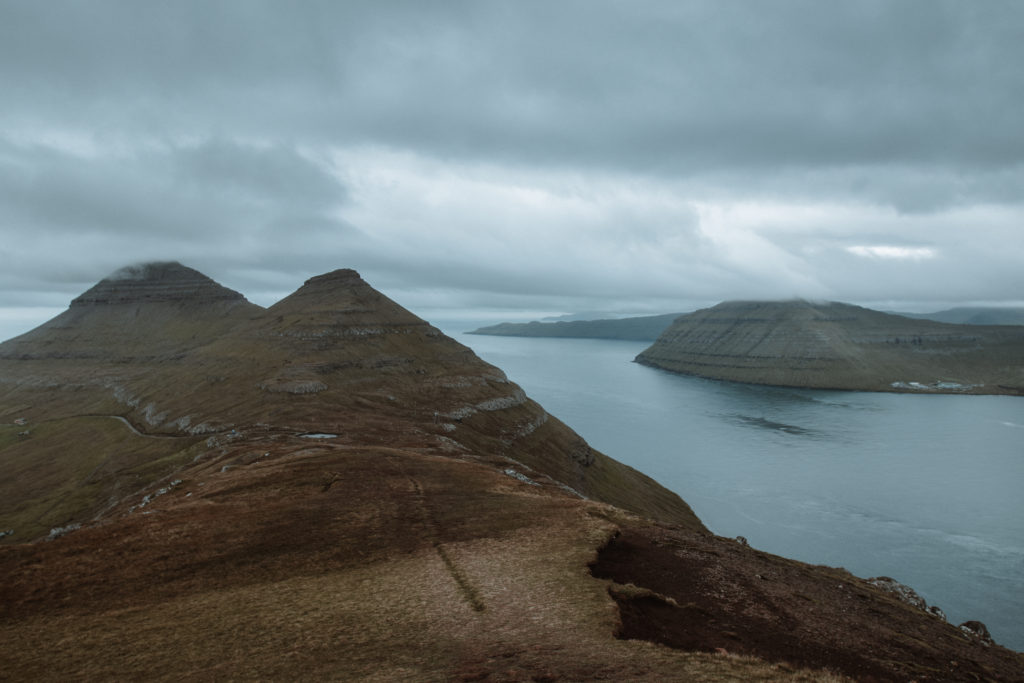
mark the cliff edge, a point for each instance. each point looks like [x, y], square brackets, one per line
[840, 346]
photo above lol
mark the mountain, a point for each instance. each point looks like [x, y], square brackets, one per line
[974, 315]
[579, 315]
[173, 354]
[643, 328]
[329, 488]
[140, 312]
[839, 346]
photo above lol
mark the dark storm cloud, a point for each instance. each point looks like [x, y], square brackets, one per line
[643, 150]
[660, 87]
[88, 212]
[174, 186]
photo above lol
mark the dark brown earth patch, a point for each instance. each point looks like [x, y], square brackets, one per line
[703, 593]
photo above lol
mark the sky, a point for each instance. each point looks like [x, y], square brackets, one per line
[511, 160]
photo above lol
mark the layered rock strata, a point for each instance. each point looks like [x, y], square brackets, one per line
[839, 346]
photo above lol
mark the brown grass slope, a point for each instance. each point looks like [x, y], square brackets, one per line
[450, 529]
[279, 557]
[175, 354]
[839, 346]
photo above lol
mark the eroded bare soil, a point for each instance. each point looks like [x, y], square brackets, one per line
[699, 592]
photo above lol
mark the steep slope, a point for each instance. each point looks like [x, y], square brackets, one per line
[139, 312]
[338, 357]
[179, 357]
[839, 346]
[643, 328]
[135, 327]
[81, 450]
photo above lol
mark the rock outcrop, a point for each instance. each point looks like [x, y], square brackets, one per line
[839, 346]
[907, 595]
[977, 630]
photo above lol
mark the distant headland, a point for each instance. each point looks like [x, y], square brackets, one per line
[642, 328]
[839, 346]
[650, 327]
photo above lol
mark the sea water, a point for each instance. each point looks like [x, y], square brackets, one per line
[925, 489]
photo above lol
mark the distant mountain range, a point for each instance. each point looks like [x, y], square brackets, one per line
[975, 315]
[644, 328]
[196, 487]
[839, 346]
[650, 327]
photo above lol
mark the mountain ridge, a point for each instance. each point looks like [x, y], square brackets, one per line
[332, 488]
[974, 315]
[649, 328]
[336, 356]
[641, 328]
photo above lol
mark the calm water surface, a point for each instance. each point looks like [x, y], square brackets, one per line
[925, 489]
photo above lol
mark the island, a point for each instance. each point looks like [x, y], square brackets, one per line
[640, 328]
[832, 345]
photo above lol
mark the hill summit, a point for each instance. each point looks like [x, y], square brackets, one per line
[195, 487]
[138, 312]
[167, 281]
[839, 346]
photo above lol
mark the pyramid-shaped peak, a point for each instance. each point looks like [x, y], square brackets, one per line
[154, 270]
[154, 282]
[341, 276]
[342, 297]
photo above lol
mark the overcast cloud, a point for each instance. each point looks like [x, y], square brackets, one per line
[517, 158]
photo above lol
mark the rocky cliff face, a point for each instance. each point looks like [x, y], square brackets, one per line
[839, 346]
